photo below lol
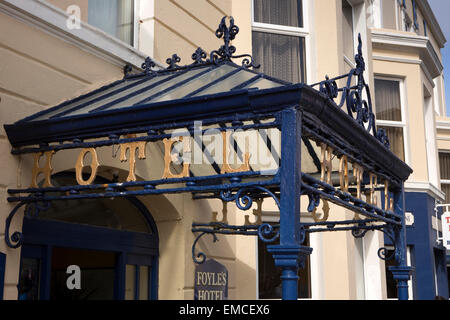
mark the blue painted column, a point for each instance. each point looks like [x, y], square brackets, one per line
[402, 271]
[290, 253]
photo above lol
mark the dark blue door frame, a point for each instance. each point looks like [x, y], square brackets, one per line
[2, 273]
[41, 236]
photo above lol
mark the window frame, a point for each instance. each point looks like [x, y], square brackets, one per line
[443, 181]
[2, 273]
[350, 60]
[303, 32]
[397, 124]
[136, 25]
[274, 217]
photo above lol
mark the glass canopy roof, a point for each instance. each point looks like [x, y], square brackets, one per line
[135, 91]
[164, 85]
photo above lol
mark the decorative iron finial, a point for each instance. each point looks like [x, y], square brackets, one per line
[148, 65]
[226, 51]
[224, 54]
[127, 70]
[199, 56]
[359, 59]
[172, 62]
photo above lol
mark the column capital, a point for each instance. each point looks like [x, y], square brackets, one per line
[401, 272]
[290, 256]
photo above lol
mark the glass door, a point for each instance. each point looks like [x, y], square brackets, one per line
[32, 273]
[80, 274]
[138, 277]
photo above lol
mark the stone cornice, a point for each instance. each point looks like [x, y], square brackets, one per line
[408, 42]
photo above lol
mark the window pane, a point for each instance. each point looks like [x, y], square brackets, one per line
[387, 98]
[263, 84]
[143, 283]
[395, 135]
[391, 284]
[130, 281]
[29, 279]
[444, 164]
[269, 281]
[114, 17]
[281, 12]
[198, 82]
[388, 8]
[280, 56]
[347, 29]
[446, 189]
[125, 19]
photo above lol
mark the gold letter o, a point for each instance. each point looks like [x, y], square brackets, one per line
[80, 164]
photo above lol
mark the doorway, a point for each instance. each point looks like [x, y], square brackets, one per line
[112, 245]
[94, 274]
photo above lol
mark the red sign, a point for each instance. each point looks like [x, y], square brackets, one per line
[445, 222]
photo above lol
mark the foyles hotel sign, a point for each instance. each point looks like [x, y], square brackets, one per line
[211, 281]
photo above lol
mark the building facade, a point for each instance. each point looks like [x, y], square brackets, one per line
[57, 50]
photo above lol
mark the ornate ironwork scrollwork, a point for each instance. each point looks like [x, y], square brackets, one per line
[382, 252]
[243, 198]
[268, 233]
[383, 138]
[359, 233]
[200, 257]
[16, 239]
[32, 210]
[358, 107]
[329, 88]
[244, 201]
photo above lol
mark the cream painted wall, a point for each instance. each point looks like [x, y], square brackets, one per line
[38, 71]
[181, 26]
[415, 131]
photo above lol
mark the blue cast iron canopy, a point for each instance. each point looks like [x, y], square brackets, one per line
[207, 89]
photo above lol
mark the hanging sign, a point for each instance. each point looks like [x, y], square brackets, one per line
[445, 223]
[211, 281]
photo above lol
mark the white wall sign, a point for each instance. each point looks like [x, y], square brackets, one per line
[409, 218]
